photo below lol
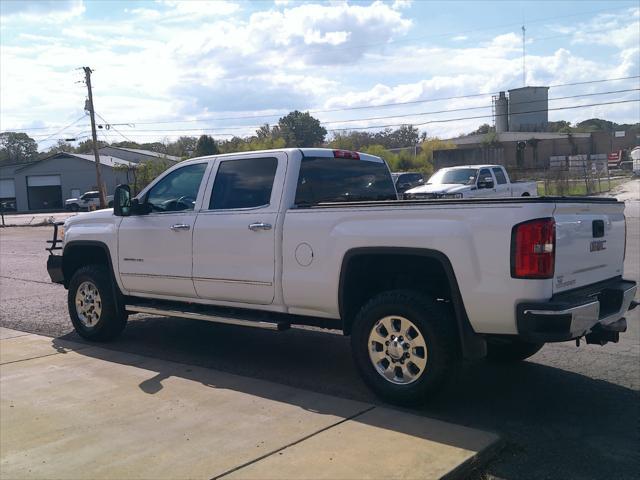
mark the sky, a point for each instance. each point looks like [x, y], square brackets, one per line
[167, 68]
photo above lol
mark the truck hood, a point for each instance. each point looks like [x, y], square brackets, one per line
[90, 217]
[440, 188]
[71, 200]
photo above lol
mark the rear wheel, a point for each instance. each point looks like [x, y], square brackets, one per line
[404, 345]
[94, 311]
[509, 350]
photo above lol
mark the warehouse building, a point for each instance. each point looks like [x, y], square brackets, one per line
[45, 184]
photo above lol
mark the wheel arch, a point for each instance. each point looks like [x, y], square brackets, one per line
[472, 344]
[78, 253]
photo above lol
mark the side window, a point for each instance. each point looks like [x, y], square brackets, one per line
[178, 190]
[501, 179]
[245, 183]
[484, 173]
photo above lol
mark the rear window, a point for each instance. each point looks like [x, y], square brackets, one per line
[324, 179]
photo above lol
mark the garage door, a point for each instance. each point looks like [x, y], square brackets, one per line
[43, 180]
[44, 192]
[7, 188]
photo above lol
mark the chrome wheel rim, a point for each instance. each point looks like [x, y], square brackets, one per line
[88, 304]
[397, 350]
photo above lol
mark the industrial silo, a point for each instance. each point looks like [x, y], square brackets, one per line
[528, 109]
[501, 105]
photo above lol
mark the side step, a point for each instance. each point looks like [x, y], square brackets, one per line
[201, 312]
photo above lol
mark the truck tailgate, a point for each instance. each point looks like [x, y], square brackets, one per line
[590, 242]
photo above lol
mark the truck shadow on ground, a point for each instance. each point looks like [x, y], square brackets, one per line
[556, 423]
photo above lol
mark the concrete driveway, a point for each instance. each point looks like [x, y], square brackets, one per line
[74, 411]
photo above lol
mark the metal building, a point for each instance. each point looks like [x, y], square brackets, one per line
[528, 109]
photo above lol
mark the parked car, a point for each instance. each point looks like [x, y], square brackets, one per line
[86, 201]
[317, 237]
[406, 180]
[635, 160]
[472, 181]
[8, 205]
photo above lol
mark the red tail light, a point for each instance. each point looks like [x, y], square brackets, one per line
[533, 246]
[346, 154]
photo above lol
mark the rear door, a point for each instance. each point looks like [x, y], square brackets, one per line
[590, 241]
[234, 241]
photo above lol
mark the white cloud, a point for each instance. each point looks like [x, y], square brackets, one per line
[44, 11]
[164, 61]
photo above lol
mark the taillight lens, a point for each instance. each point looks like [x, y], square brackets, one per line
[346, 154]
[533, 246]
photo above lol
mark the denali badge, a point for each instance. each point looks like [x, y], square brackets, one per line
[597, 245]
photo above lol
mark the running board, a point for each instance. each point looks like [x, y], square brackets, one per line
[243, 320]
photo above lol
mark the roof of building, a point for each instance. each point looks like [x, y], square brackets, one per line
[105, 160]
[149, 153]
[516, 137]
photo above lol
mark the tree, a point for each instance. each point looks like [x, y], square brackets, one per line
[183, 147]
[206, 145]
[87, 146]
[301, 130]
[61, 146]
[17, 147]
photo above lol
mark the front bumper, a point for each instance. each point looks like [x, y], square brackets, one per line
[574, 314]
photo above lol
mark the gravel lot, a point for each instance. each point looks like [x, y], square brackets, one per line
[569, 412]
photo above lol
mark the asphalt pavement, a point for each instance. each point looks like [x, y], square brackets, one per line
[568, 412]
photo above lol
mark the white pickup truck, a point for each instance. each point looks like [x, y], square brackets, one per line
[317, 237]
[472, 181]
[86, 201]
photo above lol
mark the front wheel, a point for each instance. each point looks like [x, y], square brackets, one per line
[510, 350]
[94, 311]
[74, 207]
[405, 346]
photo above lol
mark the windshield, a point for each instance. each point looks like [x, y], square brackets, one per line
[464, 176]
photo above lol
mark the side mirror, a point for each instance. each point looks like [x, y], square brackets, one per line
[122, 201]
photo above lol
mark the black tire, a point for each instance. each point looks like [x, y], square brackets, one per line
[526, 194]
[74, 207]
[436, 325]
[510, 350]
[112, 318]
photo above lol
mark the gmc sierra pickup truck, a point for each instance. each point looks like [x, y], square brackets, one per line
[318, 237]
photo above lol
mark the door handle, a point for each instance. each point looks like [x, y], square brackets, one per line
[254, 227]
[180, 226]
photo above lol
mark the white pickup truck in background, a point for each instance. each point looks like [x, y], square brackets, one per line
[87, 201]
[472, 181]
[318, 237]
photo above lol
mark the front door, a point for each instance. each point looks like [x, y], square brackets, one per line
[155, 250]
[234, 239]
[483, 188]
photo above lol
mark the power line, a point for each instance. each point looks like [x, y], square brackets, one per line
[63, 129]
[111, 126]
[485, 116]
[448, 120]
[416, 114]
[362, 107]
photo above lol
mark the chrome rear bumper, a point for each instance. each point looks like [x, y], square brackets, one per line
[575, 314]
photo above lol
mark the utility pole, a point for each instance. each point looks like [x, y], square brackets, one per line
[87, 76]
[524, 72]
